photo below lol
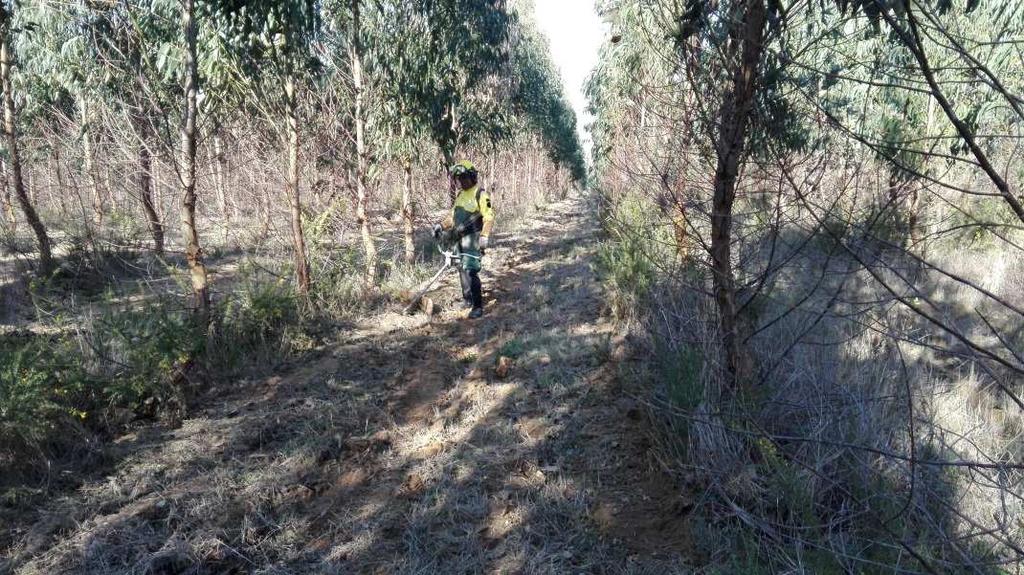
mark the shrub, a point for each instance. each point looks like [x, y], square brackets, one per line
[139, 351]
[627, 261]
[41, 382]
[27, 406]
[681, 373]
[262, 322]
[122, 361]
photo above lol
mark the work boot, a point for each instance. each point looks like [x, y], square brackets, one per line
[476, 312]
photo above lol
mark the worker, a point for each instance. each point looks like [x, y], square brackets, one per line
[469, 227]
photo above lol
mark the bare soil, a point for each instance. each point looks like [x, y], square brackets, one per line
[401, 449]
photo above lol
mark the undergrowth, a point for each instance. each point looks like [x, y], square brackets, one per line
[805, 503]
[109, 358]
[630, 256]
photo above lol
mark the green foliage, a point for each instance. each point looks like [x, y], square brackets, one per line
[513, 348]
[976, 223]
[436, 60]
[136, 360]
[680, 372]
[258, 316]
[29, 400]
[627, 262]
[126, 359]
[139, 352]
[467, 73]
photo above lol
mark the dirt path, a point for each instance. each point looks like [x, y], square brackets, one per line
[400, 450]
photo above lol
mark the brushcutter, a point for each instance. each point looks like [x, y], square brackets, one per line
[448, 247]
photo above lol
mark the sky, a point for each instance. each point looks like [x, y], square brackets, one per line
[575, 32]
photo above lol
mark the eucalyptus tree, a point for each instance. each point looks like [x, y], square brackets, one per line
[389, 60]
[269, 47]
[444, 54]
[466, 73]
[132, 75]
[187, 163]
[61, 55]
[356, 57]
[538, 95]
[8, 29]
[730, 48]
[840, 107]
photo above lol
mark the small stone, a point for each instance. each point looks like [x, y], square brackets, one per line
[428, 306]
[503, 367]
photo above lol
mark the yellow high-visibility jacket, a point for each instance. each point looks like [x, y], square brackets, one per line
[467, 204]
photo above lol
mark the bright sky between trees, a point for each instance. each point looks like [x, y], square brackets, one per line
[575, 32]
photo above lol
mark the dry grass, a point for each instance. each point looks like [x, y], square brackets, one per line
[397, 450]
[809, 469]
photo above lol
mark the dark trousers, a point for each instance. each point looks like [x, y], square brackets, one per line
[471, 289]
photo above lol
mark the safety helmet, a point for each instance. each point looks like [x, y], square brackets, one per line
[463, 168]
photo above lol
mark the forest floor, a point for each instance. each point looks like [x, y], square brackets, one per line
[403, 447]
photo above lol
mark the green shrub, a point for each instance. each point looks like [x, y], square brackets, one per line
[27, 406]
[139, 351]
[262, 320]
[42, 381]
[625, 261]
[513, 348]
[125, 230]
[681, 373]
[125, 359]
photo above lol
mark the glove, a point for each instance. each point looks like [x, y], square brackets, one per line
[484, 243]
[437, 231]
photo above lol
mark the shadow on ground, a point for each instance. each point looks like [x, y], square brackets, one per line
[402, 450]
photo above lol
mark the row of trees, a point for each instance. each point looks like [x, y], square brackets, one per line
[817, 167]
[338, 93]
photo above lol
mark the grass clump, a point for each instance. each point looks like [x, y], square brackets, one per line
[680, 370]
[513, 348]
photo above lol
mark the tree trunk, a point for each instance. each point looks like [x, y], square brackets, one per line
[158, 191]
[11, 135]
[448, 157]
[12, 219]
[407, 213]
[193, 251]
[263, 201]
[745, 48]
[61, 183]
[449, 148]
[219, 172]
[369, 247]
[294, 202]
[98, 209]
[146, 192]
[529, 173]
[514, 188]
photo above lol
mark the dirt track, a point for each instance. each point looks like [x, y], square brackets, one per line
[400, 450]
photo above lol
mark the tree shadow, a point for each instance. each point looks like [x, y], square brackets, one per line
[401, 452]
[857, 427]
